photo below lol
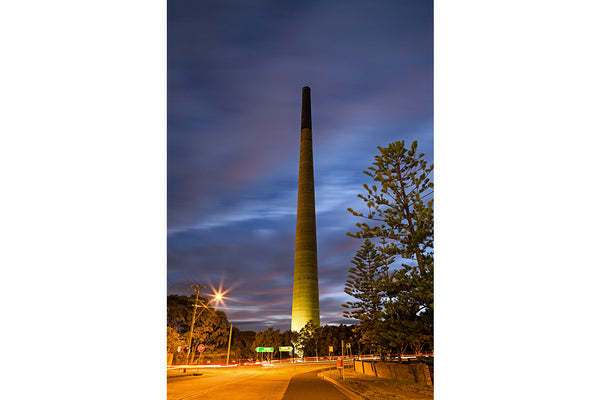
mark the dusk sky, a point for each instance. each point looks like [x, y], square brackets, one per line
[235, 73]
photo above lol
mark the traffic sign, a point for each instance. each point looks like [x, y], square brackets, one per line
[286, 348]
[340, 363]
[264, 349]
[201, 348]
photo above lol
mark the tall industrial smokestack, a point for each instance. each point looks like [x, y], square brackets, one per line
[305, 303]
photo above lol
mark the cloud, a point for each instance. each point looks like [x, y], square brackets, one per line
[235, 73]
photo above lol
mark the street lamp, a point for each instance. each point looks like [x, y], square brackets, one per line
[197, 290]
[218, 296]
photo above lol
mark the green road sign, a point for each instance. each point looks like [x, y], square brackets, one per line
[264, 349]
[286, 348]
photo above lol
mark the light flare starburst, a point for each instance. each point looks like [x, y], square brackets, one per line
[218, 295]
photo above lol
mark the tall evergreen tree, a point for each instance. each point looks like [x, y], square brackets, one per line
[400, 211]
[396, 203]
[366, 283]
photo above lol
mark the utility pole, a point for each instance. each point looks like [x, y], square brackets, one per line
[197, 290]
[229, 345]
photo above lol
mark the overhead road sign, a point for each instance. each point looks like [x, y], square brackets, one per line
[286, 348]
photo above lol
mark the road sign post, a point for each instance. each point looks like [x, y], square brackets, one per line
[264, 350]
[284, 348]
[343, 360]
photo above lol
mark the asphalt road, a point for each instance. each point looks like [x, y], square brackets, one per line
[287, 382]
[309, 386]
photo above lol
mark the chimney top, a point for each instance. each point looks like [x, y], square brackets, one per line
[306, 118]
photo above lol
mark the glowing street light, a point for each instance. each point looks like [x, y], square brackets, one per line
[218, 295]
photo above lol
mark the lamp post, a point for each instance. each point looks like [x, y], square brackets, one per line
[218, 296]
[197, 290]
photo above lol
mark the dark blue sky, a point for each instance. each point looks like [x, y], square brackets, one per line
[235, 73]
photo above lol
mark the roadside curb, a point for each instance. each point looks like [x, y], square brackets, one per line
[180, 374]
[347, 391]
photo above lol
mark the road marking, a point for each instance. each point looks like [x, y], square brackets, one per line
[222, 384]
